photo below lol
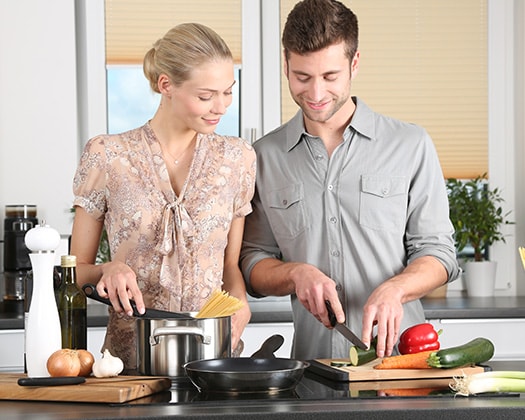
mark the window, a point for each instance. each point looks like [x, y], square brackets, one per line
[425, 62]
[132, 27]
[131, 102]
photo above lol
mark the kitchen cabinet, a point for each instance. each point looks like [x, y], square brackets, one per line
[12, 351]
[12, 348]
[507, 334]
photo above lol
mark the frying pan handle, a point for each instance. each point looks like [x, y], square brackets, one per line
[91, 291]
[179, 330]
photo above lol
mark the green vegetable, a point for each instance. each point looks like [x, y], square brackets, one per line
[476, 351]
[359, 357]
[494, 381]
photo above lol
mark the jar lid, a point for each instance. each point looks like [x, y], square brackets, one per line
[25, 211]
[68, 261]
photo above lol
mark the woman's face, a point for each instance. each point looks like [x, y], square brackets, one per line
[201, 101]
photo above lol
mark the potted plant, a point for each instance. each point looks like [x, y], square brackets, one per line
[477, 216]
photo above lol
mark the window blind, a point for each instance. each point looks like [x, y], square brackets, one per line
[424, 62]
[133, 26]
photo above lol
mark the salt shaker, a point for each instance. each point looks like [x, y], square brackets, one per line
[42, 332]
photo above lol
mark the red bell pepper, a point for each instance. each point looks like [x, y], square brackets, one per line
[418, 338]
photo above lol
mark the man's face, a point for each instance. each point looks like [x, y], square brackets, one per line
[320, 82]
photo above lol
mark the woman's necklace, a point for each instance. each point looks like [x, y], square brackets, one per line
[176, 160]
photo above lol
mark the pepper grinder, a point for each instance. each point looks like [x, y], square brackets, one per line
[42, 332]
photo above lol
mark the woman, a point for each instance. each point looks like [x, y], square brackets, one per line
[172, 195]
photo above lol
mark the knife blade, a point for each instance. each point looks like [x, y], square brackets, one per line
[91, 291]
[343, 329]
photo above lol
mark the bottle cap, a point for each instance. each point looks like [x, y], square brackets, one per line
[68, 261]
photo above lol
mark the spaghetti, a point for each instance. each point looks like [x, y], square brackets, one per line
[220, 304]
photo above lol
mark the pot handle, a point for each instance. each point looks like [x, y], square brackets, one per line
[158, 332]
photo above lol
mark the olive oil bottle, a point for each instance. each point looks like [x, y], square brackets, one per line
[72, 306]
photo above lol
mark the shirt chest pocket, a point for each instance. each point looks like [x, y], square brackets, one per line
[383, 202]
[286, 211]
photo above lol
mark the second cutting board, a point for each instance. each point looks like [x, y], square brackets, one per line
[367, 372]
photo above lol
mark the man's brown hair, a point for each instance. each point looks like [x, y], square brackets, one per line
[316, 24]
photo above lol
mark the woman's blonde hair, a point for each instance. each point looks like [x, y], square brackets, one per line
[183, 48]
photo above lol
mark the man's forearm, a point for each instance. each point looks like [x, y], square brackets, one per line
[272, 277]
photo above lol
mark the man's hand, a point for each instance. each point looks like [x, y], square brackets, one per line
[383, 309]
[313, 289]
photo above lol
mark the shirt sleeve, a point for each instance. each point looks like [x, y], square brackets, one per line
[429, 231]
[89, 183]
[258, 242]
[242, 203]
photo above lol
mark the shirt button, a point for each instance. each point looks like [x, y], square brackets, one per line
[330, 187]
[335, 253]
[385, 191]
[319, 157]
[333, 219]
[285, 202]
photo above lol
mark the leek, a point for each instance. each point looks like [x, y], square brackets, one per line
[493, 381]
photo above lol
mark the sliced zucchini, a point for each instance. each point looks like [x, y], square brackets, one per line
[359, 357]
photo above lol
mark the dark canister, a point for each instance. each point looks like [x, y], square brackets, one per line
[19, 218]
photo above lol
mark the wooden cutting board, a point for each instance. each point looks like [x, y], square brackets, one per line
[367, 372]
[102, 390]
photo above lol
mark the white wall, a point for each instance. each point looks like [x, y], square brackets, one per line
[38, 107]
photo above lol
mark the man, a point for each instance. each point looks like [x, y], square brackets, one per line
[350, 205]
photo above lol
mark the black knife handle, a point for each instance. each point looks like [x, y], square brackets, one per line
[331, 315]
[52, 381]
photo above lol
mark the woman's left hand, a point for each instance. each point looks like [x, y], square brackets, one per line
[238, 322]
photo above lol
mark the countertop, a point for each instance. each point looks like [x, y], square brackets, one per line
[340, 405]
[274, 309]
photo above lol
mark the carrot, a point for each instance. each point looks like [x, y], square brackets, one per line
[410, 392]
[406, 361]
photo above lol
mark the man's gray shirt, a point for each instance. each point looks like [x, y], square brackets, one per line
[359, 216]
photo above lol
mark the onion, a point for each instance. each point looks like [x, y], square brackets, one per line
[64, 362]
[86, 362]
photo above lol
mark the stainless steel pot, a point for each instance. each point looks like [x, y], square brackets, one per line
[164, 346]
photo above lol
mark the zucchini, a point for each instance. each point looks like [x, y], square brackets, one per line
[476, 351]
[359, 357]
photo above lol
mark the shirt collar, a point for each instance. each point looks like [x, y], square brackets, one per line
[363, 122]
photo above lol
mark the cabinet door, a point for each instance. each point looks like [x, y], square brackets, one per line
[255, 334]
[95, 340]
[11, 350]
[12, 347]
[507, 334]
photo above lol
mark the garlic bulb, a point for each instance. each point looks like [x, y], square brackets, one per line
[107, 366]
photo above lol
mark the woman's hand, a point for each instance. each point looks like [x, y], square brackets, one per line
[119, 284]
[239, 321]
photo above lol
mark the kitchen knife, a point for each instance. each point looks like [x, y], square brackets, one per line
[343, 329]
[91, 291]
[52, 381]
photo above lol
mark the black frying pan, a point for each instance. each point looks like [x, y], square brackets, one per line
[262, 372]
